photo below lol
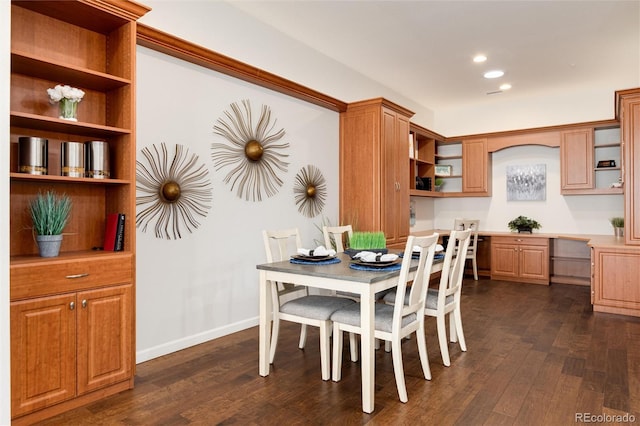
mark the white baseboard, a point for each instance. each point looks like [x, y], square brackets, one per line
[196, 339]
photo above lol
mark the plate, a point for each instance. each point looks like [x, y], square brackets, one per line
[380, 264]
[311, 258]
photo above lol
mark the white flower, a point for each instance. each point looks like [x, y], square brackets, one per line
[65, 92]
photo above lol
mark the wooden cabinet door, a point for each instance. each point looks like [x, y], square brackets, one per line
[576, 159]
[616, 288]
[533, 262]
[43, 352]
[475, 174]
[504, 260]
[630, 131]
[104, 337]
[402, 173]
[395, 172]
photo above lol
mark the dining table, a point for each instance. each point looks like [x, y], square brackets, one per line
[339, 277]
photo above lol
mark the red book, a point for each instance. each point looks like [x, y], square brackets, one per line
[114, 232]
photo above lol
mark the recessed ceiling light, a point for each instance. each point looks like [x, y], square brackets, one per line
[505, 86]
[479, 58]
[493, 74]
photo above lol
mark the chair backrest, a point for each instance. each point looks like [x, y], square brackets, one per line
[473, 225]
[453, 266]
[336, 234]
[279, 245]
[418, 290]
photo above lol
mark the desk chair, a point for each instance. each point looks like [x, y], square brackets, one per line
[473, 225]
[394, 322]
[304, 309]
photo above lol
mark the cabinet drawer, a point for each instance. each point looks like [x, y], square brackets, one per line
[519, 240]
[35, 279]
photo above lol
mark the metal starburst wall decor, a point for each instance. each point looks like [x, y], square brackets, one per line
[254, 156]
[173, 191]
[310, 191]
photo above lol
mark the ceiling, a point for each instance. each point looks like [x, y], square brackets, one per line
[423, 50]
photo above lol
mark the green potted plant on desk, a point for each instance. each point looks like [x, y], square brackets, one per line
[618, 226]
[523, 224]
[49, 213]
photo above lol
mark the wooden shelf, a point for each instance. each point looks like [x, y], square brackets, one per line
[52, 124]
[448, 157]
[23, 63]
[66, 179]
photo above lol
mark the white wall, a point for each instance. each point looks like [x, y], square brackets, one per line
[5, 390]
[204, 285]
[221, 27]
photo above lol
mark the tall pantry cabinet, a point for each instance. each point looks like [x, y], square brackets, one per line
[374, 168]
[628, 109]
[73, 316]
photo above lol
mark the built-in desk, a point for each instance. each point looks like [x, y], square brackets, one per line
[604, 262]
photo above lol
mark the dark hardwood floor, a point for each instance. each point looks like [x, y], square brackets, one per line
[536, 356]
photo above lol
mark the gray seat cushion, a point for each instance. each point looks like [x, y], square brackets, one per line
[384, 316]
[430, 303]
[316, 307]
[432, 299]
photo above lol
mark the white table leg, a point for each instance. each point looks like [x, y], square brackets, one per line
[367, 301]
[265, 324]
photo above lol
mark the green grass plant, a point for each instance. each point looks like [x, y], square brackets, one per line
[50, 213]
[367, 240]
[617, 222]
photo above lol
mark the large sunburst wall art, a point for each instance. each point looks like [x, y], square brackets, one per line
[254, 155]
[174, 191]
[310, 191]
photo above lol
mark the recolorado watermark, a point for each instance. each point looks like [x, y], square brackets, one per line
[604, 418]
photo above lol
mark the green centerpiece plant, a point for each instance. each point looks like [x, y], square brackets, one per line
[368, 241]
[523, 224]
[50, 214]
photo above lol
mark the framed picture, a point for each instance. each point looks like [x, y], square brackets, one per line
[606, 163]
[443, 170]
[527, 182]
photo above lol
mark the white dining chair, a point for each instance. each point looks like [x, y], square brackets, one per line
[397, 321]
[305, 309]
[473, 225]
[445, 300]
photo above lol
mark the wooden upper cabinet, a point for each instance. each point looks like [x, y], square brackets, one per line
[576, 160]
[629, 113]
[475, 167]
[374, 168]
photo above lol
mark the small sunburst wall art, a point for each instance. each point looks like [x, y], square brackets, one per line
[254, 155]
[174, 191]
[310, 191]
